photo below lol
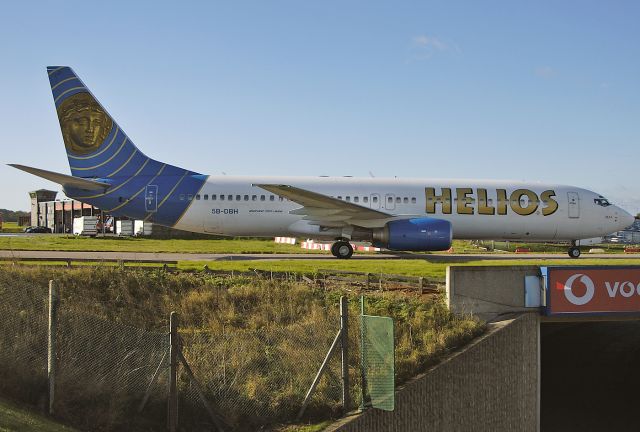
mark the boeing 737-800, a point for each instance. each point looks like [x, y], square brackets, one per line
[111, 173]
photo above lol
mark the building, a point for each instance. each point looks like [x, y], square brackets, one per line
[58, 215]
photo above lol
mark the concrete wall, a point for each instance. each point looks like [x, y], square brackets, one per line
[491, 385]
[487, 291]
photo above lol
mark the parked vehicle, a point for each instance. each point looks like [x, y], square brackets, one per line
[37, 230]
[85, 226]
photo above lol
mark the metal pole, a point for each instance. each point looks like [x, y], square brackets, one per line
[344, 329]
[363, 376]
[316, 380]
[51, 349]
[173, 372]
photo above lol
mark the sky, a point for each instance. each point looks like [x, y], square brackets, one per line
[537, 91]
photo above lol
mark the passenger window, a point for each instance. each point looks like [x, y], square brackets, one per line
[365, 199]
[246, 197]
[413, 200]
[254, 197]
[181, 197]
[390, 200]
[375, 199]
[262, 197]
[348, 198]
[398, 200]
[405, 200]
[272, 198]
[198, 197]
[356, 199]
[214, 197]
[339, 197]
[206, 197]
[238, 198]
[221, 197]
[229, 197]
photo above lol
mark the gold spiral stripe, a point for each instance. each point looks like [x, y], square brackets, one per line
[124, 141]
[120, 185]
[67, 91]
[128, 200]
[169, 194]
[135, 150]
[187, 207]
[63, 81]
[56, 70]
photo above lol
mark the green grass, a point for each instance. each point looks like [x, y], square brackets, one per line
[268, 336]
[413, 267]
[15, 419]
[133, 244]
[11, 227]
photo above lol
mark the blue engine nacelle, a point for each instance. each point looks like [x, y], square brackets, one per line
[419, 234]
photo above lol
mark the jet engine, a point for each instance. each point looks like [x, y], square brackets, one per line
[419, 234]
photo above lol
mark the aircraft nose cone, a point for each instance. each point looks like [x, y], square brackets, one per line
[625, 218]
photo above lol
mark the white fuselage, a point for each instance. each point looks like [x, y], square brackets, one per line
[477, 209]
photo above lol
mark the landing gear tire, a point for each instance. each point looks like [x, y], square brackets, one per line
[342, 249]
[574, 252]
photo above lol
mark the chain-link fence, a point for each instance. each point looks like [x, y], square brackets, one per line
[111, 376]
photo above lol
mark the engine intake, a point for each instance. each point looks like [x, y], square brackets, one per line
[419, 234]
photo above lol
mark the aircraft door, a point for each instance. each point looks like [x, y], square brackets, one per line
[574, 205]
[374, 201]
[151, 198]
[390, 202]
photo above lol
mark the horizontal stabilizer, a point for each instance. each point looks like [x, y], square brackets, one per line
[64, 179]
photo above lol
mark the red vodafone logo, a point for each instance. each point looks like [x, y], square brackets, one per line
[593, 290]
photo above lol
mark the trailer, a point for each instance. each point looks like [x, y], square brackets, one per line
[85, 226]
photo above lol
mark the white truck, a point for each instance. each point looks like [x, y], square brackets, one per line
[85, 226]
[124, 228]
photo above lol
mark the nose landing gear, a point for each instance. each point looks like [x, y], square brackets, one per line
[342, 249]
[574, 251]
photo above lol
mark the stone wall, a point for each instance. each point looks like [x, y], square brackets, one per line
[490, 385]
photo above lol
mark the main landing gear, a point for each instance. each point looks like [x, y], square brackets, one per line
[574, 251]
[342, 249]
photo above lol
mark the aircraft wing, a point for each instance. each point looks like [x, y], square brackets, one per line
[327, 211]
[64, 179]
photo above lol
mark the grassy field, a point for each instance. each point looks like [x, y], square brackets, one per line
[413, 267]
[270, 336]
[15, 419]
[138, 244]
[11, 227]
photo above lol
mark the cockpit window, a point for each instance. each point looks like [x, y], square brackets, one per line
[602, 201]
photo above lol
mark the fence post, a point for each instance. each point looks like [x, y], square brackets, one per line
[344, 329]
[51, 348]
[420, 285]
[173, 373]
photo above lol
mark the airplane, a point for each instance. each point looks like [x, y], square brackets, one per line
[109, 172]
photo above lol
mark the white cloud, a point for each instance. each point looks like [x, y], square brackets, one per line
[425, 41]
[424, 46]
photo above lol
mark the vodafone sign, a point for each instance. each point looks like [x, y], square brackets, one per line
[592, 290]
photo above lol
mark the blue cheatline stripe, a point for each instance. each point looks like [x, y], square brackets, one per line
[76, 83]
[119, 186]
[128, 170]
[132, 197]
[113, 155]
[202, 181]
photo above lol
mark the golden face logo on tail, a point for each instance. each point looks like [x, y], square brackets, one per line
[84, 124]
